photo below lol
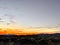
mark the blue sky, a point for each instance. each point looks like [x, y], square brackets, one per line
[29, 13]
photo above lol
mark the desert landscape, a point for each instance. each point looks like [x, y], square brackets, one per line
[29, 22]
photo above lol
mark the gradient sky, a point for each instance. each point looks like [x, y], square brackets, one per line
[29, 13]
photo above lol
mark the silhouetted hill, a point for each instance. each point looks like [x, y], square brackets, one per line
[12, 35]
[55, 34]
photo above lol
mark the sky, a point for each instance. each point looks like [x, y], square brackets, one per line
[30, 13]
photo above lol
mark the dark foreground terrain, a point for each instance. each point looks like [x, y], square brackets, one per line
[40, 39]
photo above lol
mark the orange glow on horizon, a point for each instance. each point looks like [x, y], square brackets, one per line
[26, 31]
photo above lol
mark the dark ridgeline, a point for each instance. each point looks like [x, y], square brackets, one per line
[39, 39]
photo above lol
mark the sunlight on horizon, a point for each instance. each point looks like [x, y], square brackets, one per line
[26, 31]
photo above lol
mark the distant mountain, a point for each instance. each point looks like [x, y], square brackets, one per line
[55, 34]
